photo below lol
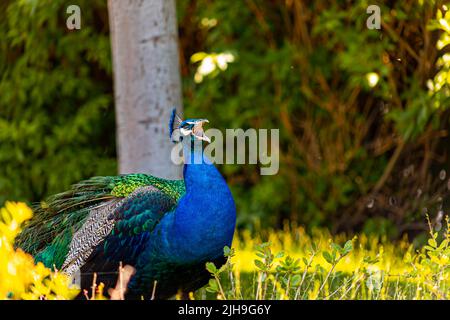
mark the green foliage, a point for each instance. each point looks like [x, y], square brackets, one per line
[353, 105]
[319, 267]
[214, 285]
[267, 258]
[345, 99]
[56, 109]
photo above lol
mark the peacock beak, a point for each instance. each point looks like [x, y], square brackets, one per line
[198, 131]
[205, 138]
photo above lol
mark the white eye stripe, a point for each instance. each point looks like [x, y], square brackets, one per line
[185, 132]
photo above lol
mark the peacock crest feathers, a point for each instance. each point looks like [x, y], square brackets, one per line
[174, 122]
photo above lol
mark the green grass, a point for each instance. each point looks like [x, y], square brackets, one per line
[289, 264]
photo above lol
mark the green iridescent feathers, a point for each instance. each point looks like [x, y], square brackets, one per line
[48, 235]
[124, 185]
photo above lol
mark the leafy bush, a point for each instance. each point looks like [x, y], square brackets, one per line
[362, 113]
[293, 265]
[56, 109]
[356, 108]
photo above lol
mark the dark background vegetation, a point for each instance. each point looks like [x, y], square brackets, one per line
[353, 157]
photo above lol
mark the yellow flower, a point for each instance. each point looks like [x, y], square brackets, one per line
[20, 277]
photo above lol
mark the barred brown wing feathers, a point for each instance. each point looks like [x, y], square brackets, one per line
[129, 217]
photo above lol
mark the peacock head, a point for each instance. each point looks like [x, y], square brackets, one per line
[193, 128]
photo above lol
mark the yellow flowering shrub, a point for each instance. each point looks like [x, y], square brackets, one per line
[294, 264]
[20, 277]
[282, 264]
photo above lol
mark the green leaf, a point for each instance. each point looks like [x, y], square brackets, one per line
[432, 242]
[211, 267]
[327, 256]
[348, 247]
[199, 56]
[212, 286]
[260, 264]
[295, 280]
[443, 244]
[336, 247]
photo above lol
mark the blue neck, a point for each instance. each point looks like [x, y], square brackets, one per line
[205, 217]
[199, 173]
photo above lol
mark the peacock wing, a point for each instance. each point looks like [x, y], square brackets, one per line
[117, 231]
[49, 234]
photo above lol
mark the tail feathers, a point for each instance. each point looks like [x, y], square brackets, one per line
[174, 122]
[63, 211]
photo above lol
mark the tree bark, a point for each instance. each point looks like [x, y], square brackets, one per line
[147, 83]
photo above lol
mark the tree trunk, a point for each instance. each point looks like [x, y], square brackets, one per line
[147, 83]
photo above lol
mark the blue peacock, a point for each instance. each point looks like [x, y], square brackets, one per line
[165, 229]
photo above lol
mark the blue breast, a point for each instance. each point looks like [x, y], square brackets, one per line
[205, 217]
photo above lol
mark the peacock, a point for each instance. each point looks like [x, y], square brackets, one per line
[166, 230]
